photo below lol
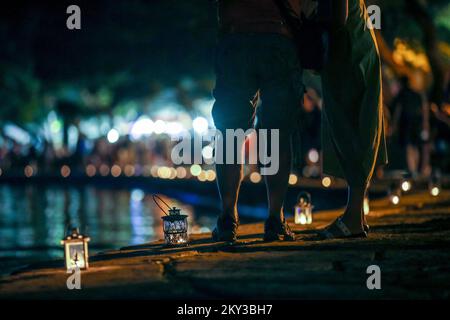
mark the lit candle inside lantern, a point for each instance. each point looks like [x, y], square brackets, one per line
[303, 209]
[76, 250]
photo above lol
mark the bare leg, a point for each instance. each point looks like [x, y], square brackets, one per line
[277, 184]
[229, 177]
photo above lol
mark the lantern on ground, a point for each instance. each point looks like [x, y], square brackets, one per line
[175, 227]
[303, 209]
[76, 250]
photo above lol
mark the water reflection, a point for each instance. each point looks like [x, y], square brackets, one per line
[34, 218]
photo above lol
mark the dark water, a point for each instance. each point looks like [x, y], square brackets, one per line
[34, 219]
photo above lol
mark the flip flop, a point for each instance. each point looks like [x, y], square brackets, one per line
[345, 232]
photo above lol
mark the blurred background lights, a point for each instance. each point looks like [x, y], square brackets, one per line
[65, 171]
[195, 170]
[90, 170]
[255, 177]
[181, 173]
[159, 126]
[28, 171]
[200, 125]
[144, 126]
[207, 152]
[292, 179]
[116, 171]
[326, 182]
[313, 156]
[113, 136]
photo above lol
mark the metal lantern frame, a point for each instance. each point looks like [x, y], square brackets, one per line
[72, 240]
[175, 225]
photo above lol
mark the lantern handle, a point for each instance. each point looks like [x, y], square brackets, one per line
[154, 196]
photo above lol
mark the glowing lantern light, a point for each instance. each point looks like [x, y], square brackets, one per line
[406, 185]
[303, 209]
[65, 171]
[76, 250]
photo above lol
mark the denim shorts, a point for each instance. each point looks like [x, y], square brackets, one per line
[246, 63]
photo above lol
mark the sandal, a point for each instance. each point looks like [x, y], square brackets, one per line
[275, 230]
[345, 232]
[225, 230]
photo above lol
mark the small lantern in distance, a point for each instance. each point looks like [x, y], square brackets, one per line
[394, 196]
[76, 250]
[303, 209]
[434, 187]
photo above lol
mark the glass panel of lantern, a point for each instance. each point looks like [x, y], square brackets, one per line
[76, 250]
[175, 227]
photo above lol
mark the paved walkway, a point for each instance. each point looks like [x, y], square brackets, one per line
[410, 243]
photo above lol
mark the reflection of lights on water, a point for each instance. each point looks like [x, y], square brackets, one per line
[255, 177]
[181, 173]
[137, 195]
[395, 199]
[435, 191]
[366, 206]
[313, 156]
[326, 182]
[196, 170]
[200, 125]
[113, 136]
[28, 171]
[65, 171]
[207, 152]
[293, 179]
[90, 170]
[159, 126]
[406, 186]
[104, 170]
[116, 171]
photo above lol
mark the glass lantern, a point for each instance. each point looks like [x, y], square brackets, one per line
[175, 228]
[76, 250]
[303, 209]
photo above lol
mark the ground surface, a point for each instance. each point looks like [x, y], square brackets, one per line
[410, 243]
